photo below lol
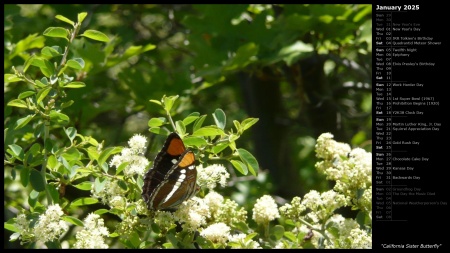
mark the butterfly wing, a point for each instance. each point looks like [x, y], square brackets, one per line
[179, 184]
[172, 178]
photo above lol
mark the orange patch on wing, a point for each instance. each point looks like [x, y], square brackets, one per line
[187, 160]
[176, 147]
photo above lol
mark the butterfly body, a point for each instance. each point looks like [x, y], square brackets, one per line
[172, 178]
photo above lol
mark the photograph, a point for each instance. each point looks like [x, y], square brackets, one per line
[190, 126]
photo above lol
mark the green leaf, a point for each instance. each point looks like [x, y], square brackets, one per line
[59, 117]
[71, 132]
[84, 186]
[43, 93]
[245, 55]
[122, 185]
[11, 78]
[155, 101]
[194, 141]
[76, 63]
[23, 121]
[26, 94]
[208, 131]
[247, 123]
[17, 103]
[33, 199]
[159, 131]
[250, 160]
[95, 35]
[107, 152]
[237, 125]
[57, 32]
[101, 211]
[28, 62]
[220, 146]
[35, 149]
[40, 84]
[240, 166]
[198, 123]
[75, 85]
[81, 16]
[73, 220]
[31, 41]
[54, 193]
[99, 184]
[66, 104]
[25, 176]
[11, 225]
[277, 231]
[181, 128]
[64, 19]
[191, 118]
[156, 122]
[52, 162]
[168, 102]
[84, 201]
[47, 68]
[72, 154]
[51, 51]
[37, 182]
[220, 118]
[122, 167]
[297, 51]
[290, 236]
[136, 50]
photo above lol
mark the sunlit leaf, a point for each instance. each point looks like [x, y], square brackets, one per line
[84, 201]
[95, 35]
[57, 32]
[250, 160]
[62, 18]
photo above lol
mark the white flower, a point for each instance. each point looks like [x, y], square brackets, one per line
[133, 156]
[50, 227]
[360, 239]
[217, 233]
[192, 213]
[212, 175]
[138, 143]
[117, 202]
[214, 200]
[265, 210]
[229, 213]
[312, 200]
[23, 227]
[351, 169]
[93, 233]
[110, 193]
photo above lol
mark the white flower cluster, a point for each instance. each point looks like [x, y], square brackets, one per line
[323, 204]
[216, 233]
[92, 236]
[25, 233]
[349, 235]
[193, 214]
[212, 175]
[111, 194]
[351, 169]
[265, 210]
[50, 227]
[133, 156]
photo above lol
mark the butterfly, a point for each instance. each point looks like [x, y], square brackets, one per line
[172, 178]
